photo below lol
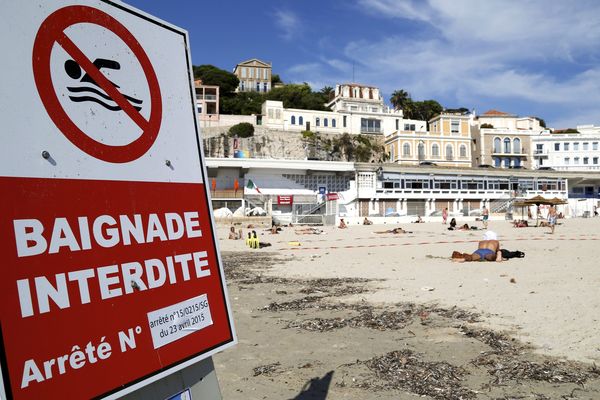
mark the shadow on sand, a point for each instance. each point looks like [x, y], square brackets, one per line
[316, 388]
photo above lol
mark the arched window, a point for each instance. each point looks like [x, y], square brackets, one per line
[435, 150]
[325, 122]
[300, 120]
[449, 152]
[406, 149]
[506, 145]
[506, 162]
[318, 121]
[463, 151]
[497, 162]
[421, 151]
[517, 162]
[333, 122]
[497, 146]
[293, 120]
[517, 146]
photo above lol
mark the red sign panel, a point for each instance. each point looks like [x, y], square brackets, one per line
[332, 196]
[285, 199]
[80, 283]
[111, 275]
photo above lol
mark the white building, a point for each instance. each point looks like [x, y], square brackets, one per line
[569, 151]
[355, 109]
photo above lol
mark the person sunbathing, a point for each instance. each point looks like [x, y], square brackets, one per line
[309, 231]
[394, 231]
[366, 221]
[342, 224]
[520, 223]
[487, 250]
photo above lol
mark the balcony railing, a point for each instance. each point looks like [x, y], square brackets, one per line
[368, 129]
[510, 152]
[206, 97]
[449, 158]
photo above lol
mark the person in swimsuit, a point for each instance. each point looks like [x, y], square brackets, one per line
[488, 250]
[552, 218]
[486, 216]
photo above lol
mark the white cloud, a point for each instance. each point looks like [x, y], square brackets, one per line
[288, 22]
[495, 52]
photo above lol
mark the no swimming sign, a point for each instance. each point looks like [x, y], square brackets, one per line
[111, 274]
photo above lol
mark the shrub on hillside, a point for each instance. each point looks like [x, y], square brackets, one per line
[242, 130]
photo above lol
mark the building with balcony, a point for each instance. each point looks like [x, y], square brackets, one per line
[578, 151]
[447, 143]
[355, 109]
[207, 103]
[504, 140]
[254, 76]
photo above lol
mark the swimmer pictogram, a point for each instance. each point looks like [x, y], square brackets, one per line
[93, 85]
[85, 93]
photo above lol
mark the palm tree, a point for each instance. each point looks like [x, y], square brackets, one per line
[328, 92]
[401, 101]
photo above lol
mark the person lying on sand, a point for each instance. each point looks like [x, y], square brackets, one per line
[520, 223]
[418, 221]
[394, 231]
[309, 231]
[488, 250]
[366, 221]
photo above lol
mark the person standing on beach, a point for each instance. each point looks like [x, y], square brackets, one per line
[445, 215]
[552, 218]
[486, 215]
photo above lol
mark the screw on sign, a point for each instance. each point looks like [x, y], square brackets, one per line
[95, 86]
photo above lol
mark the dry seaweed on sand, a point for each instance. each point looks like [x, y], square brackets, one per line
[405, 370]
[267, 369]
[456, 314]
[499, 342]
[367, 318]
[552, 371]
[295, 305]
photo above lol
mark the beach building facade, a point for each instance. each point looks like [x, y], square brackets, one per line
[254, 76]
[577, 151]
[207, 101]
[355, 109]
[446, 143]
[293, 190]
[504, 140]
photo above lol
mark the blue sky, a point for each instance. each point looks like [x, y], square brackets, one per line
[528, 57]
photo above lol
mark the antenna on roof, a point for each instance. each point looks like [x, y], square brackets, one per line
[353, 71]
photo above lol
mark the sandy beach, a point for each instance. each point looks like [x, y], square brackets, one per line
[544, 304]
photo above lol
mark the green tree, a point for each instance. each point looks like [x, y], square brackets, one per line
[275, 79]
[298, 96]
[211, 75]
[242, 130]
[542, 122]
[328, 92]
[401, 100]
[425, 110]
[243, 103]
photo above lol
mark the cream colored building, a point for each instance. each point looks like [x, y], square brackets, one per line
[447, 143]
[254, 76]
[504, 140]
[207, 103]
[356, 109]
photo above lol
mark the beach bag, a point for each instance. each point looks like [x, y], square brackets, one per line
[512, 254]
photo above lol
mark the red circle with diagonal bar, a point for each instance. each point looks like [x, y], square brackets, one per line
[52, 31]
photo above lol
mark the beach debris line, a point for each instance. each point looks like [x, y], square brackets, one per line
[405, 370]
[267, 369]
